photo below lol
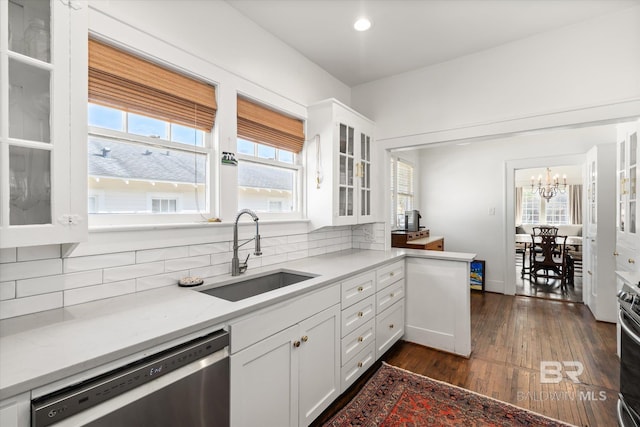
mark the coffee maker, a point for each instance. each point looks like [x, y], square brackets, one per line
[412, 220]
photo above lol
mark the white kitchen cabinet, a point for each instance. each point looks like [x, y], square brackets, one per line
[340, 166]
[389, 327]
[627, 206]
[15, 411]
[291, 376]
[599, 285]
[43, 120]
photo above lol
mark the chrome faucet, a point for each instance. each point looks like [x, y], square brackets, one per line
[238, 267]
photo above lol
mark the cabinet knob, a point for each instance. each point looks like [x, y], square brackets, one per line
[391, 295]
[391, 326]
[360, 314]
[360, 289]
[615, 253]
[360, 339]
[296, 343]
[631, 261]
[359, 364]
[305, 338]
[391, 274]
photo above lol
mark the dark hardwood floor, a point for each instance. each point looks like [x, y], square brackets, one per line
[510, 337]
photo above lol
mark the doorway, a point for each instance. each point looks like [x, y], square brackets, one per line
[549, 197]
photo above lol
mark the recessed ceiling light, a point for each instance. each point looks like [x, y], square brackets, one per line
[362, 24]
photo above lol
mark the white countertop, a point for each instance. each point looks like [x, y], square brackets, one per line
[41, 348]
[631, 277]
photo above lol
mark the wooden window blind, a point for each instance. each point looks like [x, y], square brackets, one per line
[265, 126]
[121, 80]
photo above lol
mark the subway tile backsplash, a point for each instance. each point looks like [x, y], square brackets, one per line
[34, 279]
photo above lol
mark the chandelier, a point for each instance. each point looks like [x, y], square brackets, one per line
[551, 186]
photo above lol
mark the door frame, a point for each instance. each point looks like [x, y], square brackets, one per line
[509, 226]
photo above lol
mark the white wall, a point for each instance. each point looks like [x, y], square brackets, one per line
[459, 184]
[591, 64]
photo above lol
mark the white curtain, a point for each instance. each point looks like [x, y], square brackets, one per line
[518, 205]
[575, 204]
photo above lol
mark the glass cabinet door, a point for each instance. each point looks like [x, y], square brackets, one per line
[633, 174]
[346, 164]
[36, 41]
[365, 175]
[26, 135]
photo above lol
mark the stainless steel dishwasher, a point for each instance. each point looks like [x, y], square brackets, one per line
[187, 385]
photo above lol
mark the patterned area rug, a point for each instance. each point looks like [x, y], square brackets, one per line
[395, 397]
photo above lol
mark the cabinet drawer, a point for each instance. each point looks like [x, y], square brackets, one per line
[389, 327]
[358, 288]
[358, 314]
[357, 366]
[389, 296]
[353, 343]
[389, 274]
[263, 323]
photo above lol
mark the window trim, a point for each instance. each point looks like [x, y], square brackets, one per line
[394, 197]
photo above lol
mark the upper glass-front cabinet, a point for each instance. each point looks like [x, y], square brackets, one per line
[627, 193]
[340, 166]
[38, 177]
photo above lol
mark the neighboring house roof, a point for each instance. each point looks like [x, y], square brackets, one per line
[130, 161]
[258, 176]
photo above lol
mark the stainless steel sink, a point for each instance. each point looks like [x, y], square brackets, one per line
[257, 285]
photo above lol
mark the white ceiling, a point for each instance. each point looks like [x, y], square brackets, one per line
[409, 34]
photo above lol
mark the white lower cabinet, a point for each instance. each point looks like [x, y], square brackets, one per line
[288, 378]
[15, 411]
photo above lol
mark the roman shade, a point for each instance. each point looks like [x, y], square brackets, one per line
[265, 126]
[121, 80]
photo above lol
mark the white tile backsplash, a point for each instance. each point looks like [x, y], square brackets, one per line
[117, 274]
[36, 278]
[7, 290]
[39, 285]
[151, 255]
[21, 306]
[187, 263]
[92, 293]
[29, 269]
[31, 253]
[8, 255]
[93, 262]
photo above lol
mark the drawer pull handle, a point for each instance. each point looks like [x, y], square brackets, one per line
[391, 295]
[360, 289]
[360, 339]
[631, 261]
[305, 338]
[360, 314]
[391, 326]
[589, 272]
[391, 274]
[359, 364]
[296, 343]
[616, 253]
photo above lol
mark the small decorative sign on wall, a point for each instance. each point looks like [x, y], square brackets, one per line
[229, 158]
[477, 274]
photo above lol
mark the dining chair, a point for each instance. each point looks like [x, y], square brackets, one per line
[548, 258]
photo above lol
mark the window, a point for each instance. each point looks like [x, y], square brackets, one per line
[150, 137]
[536, 210]
[402, 190]
[268, 169]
